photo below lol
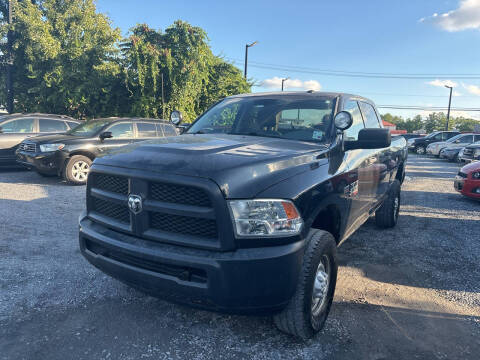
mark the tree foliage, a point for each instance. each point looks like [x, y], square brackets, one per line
[69, 60]
[434, 121]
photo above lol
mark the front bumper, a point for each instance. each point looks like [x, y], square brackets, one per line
[48, 162]
[467, 187]
[450, 155]
[254, 280]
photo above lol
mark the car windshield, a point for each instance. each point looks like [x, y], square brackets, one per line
[286, 117]
[89, 128]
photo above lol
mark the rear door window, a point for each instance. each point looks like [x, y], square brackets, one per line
[467, 139]
[52, 126]
[146, 130]
[447, 136]
[169, 130]
[122, 131]
[72, 124]
[20, 126]
[369, 115]
[351, 133]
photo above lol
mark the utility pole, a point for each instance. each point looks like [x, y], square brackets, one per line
[449, 104]
[9, 61]
[246, 56]
[283, 80]
[163, 101]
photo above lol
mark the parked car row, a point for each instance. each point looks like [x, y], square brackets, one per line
[55, 145]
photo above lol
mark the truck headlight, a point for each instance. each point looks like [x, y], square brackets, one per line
[51, 147]
[265, 217]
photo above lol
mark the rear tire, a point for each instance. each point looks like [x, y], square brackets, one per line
[387, 215]
[76, 170]
[307, 311]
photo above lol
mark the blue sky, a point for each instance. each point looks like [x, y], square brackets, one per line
[431, 37]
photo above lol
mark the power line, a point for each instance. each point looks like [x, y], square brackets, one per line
[359, 74]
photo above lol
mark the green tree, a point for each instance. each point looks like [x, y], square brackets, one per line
[65, 58]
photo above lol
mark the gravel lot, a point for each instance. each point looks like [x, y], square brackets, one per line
[410, 292]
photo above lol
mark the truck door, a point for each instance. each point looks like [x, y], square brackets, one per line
[379, 160]
[356, 182]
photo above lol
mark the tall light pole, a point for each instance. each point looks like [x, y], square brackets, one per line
[283, 80]
[246, 56]
[9, 61]
[449, 104]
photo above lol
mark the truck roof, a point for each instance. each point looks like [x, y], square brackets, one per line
[309, 93]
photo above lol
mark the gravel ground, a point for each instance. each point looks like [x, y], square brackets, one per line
[409, 292]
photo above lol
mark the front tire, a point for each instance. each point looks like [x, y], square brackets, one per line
[387, 215]
[307, 311]
[76, 170]
[420, 150]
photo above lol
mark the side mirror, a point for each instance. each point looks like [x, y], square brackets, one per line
[182, 128]
[370, 139]
[106, 135]
[343, 120]
[176, 117]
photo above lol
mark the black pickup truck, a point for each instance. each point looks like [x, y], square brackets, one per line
[243, 212]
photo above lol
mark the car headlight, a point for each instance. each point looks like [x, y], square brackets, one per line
[265, 217]
[476, 175]
[51, 147]
[477, 152]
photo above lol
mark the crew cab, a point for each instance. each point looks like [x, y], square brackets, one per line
[15, 128]
[467, 181]
[419, 145]
[244, 211]
[71, 154]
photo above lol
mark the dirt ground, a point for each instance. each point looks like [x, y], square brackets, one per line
[412, 292]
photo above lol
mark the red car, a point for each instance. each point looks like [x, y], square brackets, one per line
[467, 182]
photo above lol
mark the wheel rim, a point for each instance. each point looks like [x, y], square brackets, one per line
[396, 208]
[320, 286]
[420, 150]
[80, 170]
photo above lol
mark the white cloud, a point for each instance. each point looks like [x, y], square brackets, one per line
[442, 83]
[467, 16]
[290, 84]
[472, 89]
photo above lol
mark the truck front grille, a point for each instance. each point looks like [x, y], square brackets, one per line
[184, 225]
[111, 210]
[28, 147]
[116, 184]
[462, 174]
[179, 194]
[171, 212]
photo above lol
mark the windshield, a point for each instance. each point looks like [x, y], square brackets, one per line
[89, 128]
[286, 117]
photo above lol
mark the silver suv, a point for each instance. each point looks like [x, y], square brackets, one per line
[17, 127]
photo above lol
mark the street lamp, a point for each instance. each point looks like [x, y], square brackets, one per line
[283, 80]
[449, 104]
[246, 56]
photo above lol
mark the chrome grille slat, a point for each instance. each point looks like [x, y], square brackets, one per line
[28, 147]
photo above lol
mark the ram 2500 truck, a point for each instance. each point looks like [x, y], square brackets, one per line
[244, 211]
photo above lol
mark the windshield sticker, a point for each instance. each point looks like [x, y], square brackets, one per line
[317, 135]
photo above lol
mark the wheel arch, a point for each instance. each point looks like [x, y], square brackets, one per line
[329, 219]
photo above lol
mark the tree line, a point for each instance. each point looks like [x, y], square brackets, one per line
[68, 59]
[434, 121]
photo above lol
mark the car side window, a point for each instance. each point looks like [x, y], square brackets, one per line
[351, 133]
[447, 136]
[468, 139]
[169, 130]
[369, 115]
[121, 131]
[21, 126]
[146, 130]
[439, 137]
[51, 126]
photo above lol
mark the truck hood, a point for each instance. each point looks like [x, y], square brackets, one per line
[241, 165]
